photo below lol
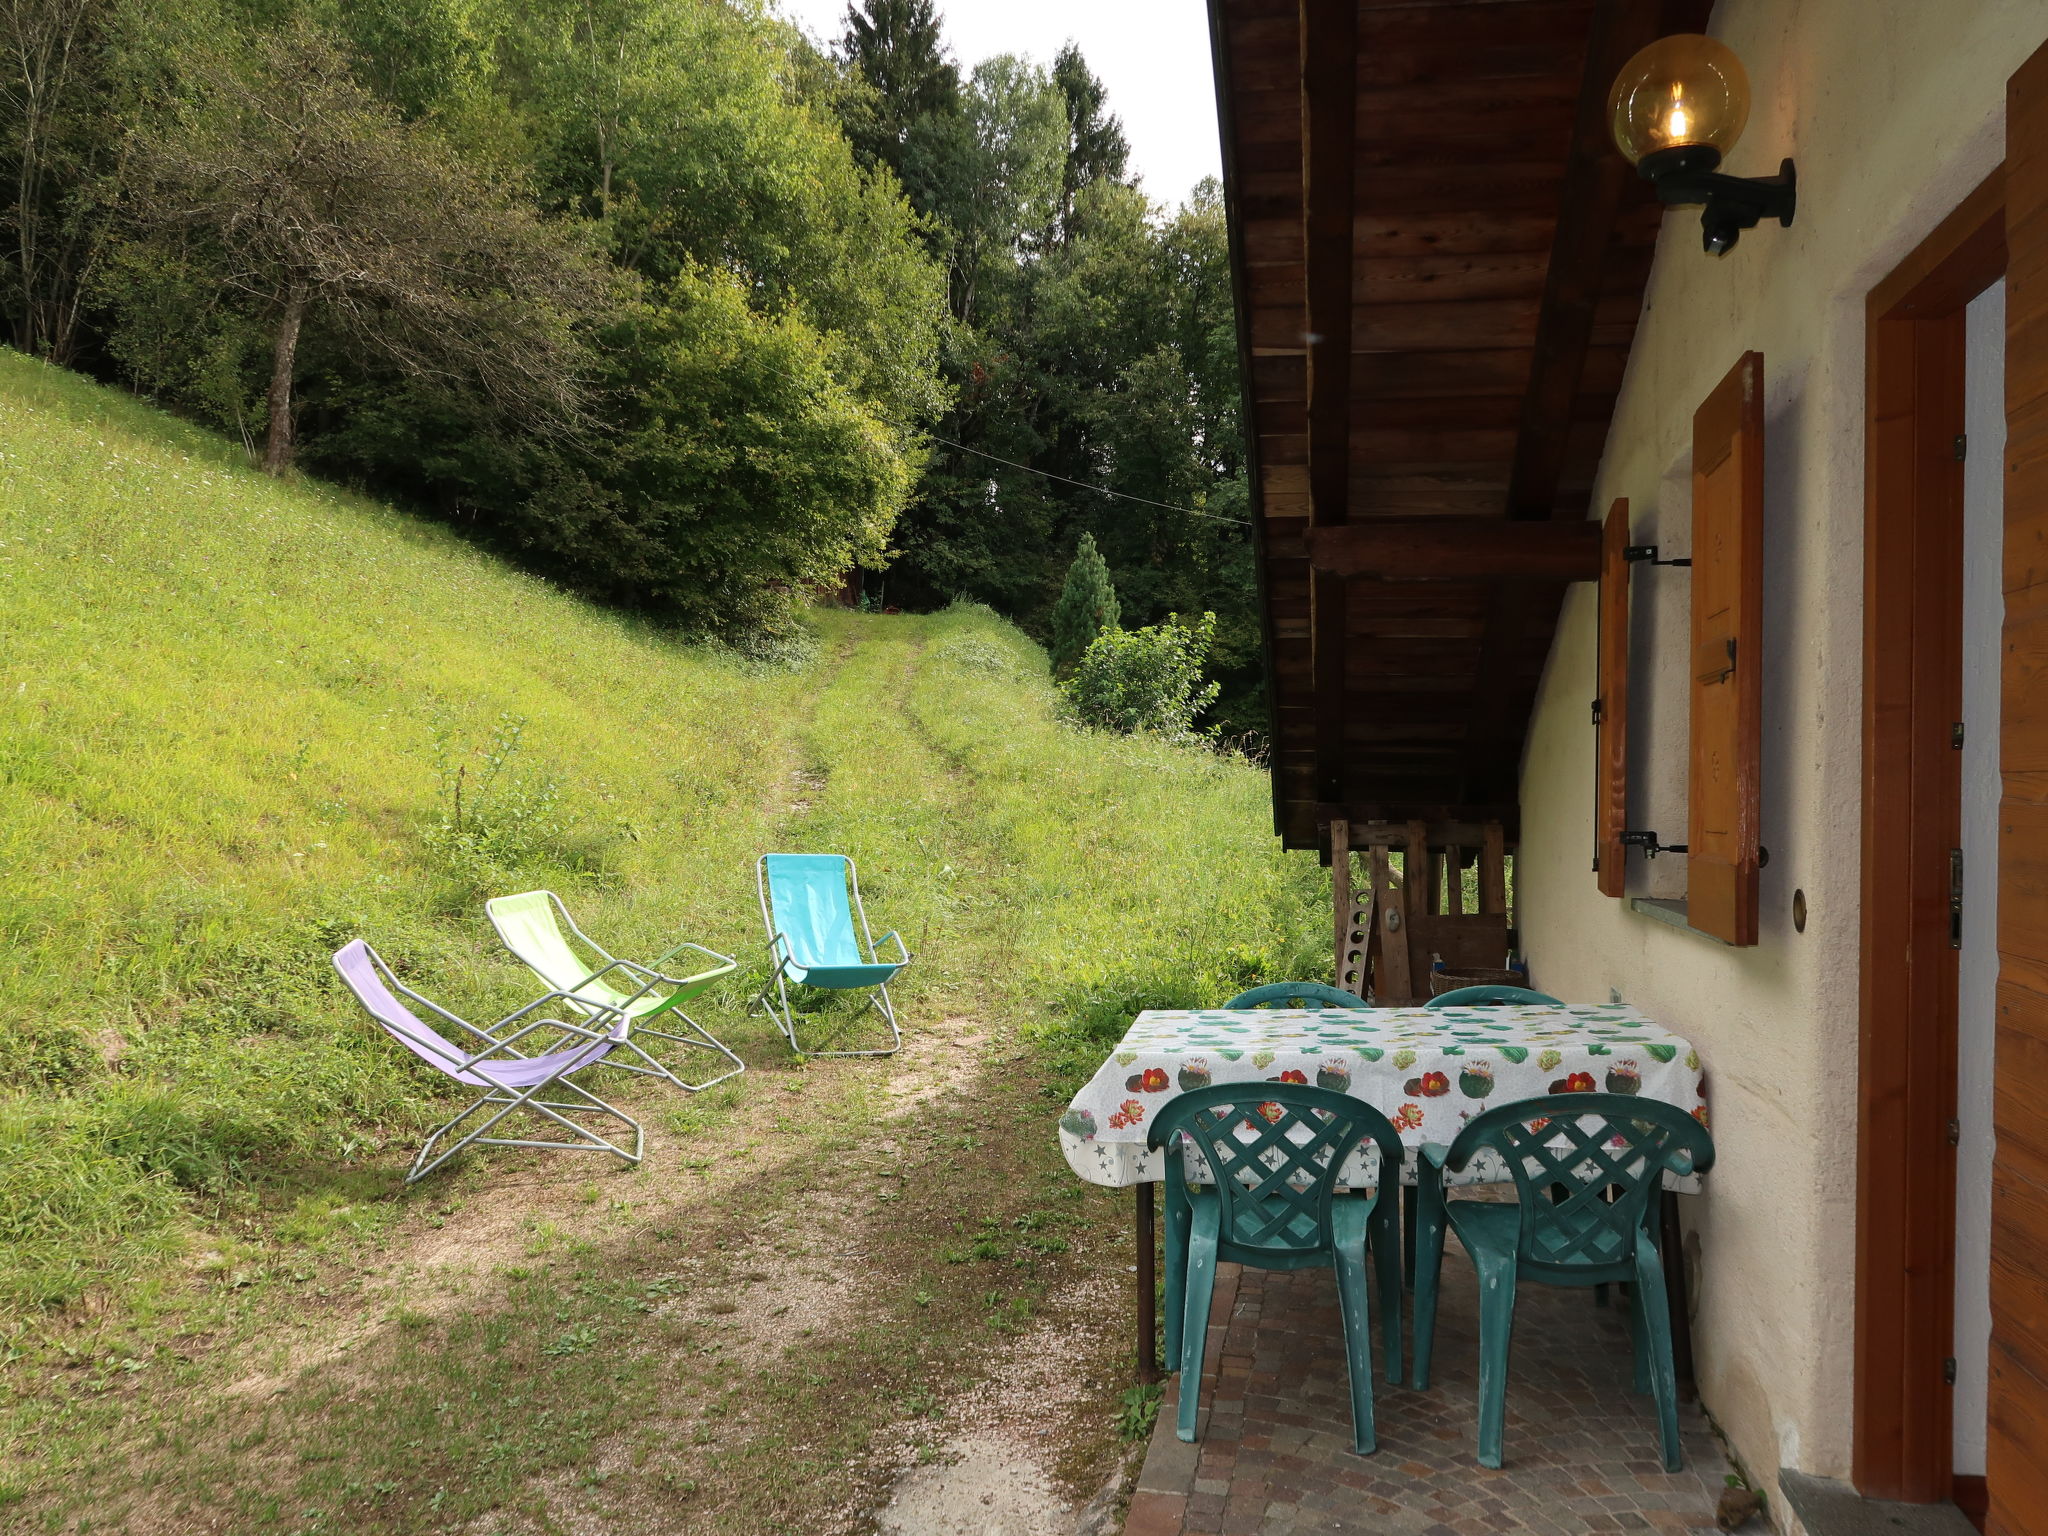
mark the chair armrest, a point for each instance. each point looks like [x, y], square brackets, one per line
[725, 963]
[1433, 1153]
[787, 957]
[505, 1044]
[902, 948]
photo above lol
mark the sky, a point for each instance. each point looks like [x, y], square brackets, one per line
[1153, 55]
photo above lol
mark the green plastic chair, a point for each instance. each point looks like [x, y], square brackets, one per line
[1586, 1216]
[537, 928]
[810, 902]
[1483, 997]
[1296, 994]
[1270, 1154]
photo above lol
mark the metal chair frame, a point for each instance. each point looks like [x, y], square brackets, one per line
[782, 957]
[649, 978]
[501, 1050]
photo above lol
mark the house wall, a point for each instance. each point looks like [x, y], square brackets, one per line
[1893, 110]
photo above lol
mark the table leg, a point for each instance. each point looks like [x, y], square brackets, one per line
[1672, 1242]
[1148, 1315]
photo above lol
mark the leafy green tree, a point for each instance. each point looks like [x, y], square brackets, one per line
[1147, 679]
[307, 200]
[1087, 606]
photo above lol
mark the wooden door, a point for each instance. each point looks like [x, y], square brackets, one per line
[2017, 1470]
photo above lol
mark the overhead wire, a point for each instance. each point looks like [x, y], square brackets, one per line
[1101, 490]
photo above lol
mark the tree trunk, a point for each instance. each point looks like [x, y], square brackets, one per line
[277, 448]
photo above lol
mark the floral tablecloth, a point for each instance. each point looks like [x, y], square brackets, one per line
[1429, 1070]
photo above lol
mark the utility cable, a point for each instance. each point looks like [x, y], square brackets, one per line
[1100, 490]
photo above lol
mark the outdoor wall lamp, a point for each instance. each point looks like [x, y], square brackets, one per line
[1678, 106]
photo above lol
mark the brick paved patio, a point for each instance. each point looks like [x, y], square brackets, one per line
[1275, 1456]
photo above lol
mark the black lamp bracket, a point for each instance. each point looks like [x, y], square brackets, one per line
[1647, 841]
[1646, 554]
[1690, 176]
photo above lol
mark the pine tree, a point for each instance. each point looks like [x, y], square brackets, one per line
[896, 46]
[1087, 606]
[1096, 147]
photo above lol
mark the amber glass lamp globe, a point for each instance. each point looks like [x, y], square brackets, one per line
[1686, 91]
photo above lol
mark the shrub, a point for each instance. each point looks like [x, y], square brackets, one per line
[1145, 679]
[1087, 606]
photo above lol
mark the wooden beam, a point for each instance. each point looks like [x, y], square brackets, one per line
[1458, 549]
[1340, 894]
[1329, 112]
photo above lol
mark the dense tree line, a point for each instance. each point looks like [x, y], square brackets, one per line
[657, 296]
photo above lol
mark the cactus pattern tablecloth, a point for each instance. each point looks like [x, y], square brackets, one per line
[1428, 1070]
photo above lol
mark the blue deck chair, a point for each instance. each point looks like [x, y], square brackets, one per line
[1296, 994]
[1493, 997]
[810, 902]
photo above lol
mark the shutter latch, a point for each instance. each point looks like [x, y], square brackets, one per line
[1637, 554]
[1955, 898]
[1647, 841]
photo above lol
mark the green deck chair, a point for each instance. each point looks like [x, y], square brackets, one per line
[1296, 994]
[1586, 1216]
[538, 929]
[810, 902]
[1272, 1152]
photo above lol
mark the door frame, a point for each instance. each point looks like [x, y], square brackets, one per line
[1912, 812]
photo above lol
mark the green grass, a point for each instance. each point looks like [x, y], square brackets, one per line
[233, 716]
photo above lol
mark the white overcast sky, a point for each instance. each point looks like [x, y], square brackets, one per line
[1153, 55]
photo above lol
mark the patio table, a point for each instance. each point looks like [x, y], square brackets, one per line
[1429, 1070]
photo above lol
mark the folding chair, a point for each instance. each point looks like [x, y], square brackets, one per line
[1312, 995]
[510, 1080]
[537, 928]
[809, 902]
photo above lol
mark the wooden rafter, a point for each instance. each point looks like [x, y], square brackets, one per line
[1329, 106]
[1458, 549]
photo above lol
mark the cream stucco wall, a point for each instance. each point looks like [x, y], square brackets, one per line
[1894, 110]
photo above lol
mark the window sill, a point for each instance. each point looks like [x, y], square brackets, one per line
[1671, 913]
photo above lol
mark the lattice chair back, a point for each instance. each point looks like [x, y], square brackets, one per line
[1586, 1166]
[1296, 994]
[1274, 1151]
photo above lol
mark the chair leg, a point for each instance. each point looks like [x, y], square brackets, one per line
[703, 1039]
[1496, 1334]
[1203, 1228]
[1429, 1262]
[1638, 1338]
[1388, 1256]
[1348, 1260]
[1655, 1311]
[1176, 1241]
[1409, 1195]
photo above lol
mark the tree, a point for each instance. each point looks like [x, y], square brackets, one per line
[1086, 608]
[1146, 679]
[896, 48]
[1096, 147]
[309, 200]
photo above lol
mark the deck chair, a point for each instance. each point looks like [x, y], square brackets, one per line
[493, 1062]
[1296, 994]
[1272, 1153]
[810, 902]
[1588, 1168]
[538, 929]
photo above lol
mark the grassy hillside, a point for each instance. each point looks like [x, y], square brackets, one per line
[236, 720]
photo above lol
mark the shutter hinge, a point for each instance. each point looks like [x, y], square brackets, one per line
[1955, 736]
[1948, 1371]
[1599, 714]
[1647, 841]
[1955, 1133]
[1635, 554]
[1955, 898]
[1962, 446]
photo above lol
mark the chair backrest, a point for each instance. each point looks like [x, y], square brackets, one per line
[1586, 1166]
[366, 974]
[1275, 1150]
[1296, 994]
[1485, 997]
[806, 894]
[531, 924]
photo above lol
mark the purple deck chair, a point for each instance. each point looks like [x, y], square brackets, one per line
[510, 1079]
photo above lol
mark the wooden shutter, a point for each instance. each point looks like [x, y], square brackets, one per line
[1727, 671]
[2016, 1470]
[1610, 707]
